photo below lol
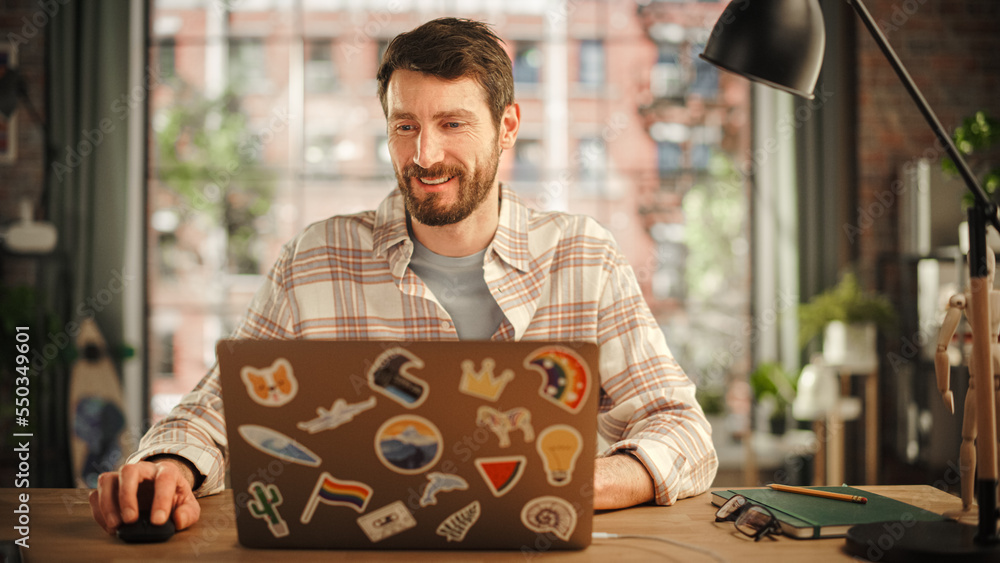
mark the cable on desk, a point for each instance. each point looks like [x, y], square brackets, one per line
[702, 550]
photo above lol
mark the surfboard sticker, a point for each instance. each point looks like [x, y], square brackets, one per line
[501, 473]
[276, 444]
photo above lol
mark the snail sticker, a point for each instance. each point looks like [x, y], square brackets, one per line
[271, 387]
[565, 378]
[549, 514]
[408, 444]
[390, 375]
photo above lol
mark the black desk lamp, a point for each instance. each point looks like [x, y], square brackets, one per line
[780, 43]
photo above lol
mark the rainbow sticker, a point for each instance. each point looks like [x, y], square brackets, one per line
[408, 444]
[565, 377]
[501, 473]
[334, 492]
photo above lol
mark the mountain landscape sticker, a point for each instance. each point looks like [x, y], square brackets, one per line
[277, 444]
[501, 473]
[565, 378]
[408, 444]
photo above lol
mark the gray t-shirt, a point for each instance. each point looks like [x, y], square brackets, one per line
[459, 285]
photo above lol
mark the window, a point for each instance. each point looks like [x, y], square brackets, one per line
[527, 63]
[706, 76]
[320, 72]
[247, 65]
[592, 62]
[528, 159]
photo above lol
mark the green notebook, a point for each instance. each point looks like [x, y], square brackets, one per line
[804, 516]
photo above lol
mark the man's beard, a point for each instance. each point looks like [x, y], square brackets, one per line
[472, 191]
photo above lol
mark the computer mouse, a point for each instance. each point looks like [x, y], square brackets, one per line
[144, 531]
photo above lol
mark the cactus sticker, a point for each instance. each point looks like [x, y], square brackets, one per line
[265, 506]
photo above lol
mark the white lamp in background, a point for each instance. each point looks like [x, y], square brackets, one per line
[27, 236]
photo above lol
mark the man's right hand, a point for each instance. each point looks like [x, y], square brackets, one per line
[163, 485]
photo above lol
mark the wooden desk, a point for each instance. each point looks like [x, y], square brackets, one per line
[62, 530]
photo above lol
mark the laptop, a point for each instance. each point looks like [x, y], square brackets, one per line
[416, 445]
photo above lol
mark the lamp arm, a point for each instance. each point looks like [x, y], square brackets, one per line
[925, 109]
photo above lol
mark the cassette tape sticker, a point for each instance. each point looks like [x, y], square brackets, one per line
[386, 521]
[549, 514]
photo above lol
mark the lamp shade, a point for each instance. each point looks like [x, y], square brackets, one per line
[776, 42]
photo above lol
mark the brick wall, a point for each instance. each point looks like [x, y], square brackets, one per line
[952, 50]
[23, 24]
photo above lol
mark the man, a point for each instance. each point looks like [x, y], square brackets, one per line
[451, 254]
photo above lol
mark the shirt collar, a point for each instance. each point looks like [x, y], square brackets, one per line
[510, 241]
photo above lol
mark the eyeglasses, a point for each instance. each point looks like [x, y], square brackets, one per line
[751, 519]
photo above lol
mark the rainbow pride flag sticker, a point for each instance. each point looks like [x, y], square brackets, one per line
[332, 491]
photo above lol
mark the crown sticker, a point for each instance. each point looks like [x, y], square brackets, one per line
[483, 383]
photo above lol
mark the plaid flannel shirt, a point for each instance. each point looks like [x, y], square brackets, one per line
[555, 276]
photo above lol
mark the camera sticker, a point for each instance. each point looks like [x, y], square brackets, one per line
[390, 375]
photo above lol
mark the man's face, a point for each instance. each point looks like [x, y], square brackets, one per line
[444, 146]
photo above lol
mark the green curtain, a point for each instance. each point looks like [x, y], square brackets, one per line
[89, 108]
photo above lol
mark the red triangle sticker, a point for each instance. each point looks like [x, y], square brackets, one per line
[501, 473]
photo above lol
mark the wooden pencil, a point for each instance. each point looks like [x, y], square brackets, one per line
[817, 493]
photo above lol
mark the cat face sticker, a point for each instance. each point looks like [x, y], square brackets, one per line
[273, 386]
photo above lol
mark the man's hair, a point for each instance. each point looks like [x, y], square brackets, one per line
[452, 48]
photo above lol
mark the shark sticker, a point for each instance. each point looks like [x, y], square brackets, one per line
[438, 482]
[338, 414]
[390, 375]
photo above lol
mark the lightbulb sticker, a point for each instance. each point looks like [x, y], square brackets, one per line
[559, 446]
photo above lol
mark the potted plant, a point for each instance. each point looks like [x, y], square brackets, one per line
[849, 320]
[774, 392]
